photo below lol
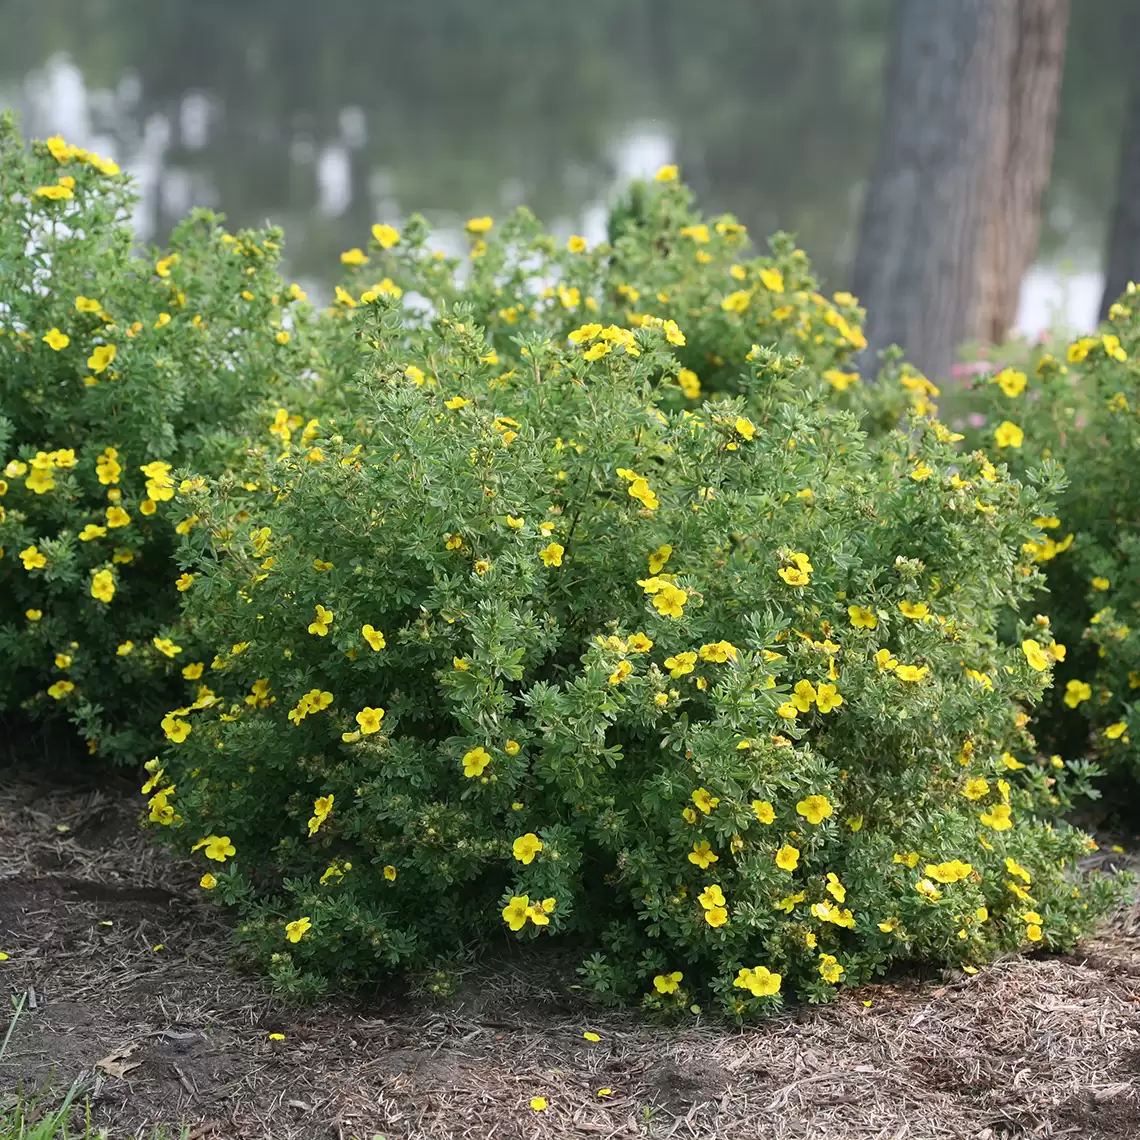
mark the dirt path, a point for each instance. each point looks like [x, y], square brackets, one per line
[126, 961]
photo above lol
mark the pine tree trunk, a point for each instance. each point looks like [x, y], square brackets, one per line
[1122, 259]
[1034, 97]
[951, 218]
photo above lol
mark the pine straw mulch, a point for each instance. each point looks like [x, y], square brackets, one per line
[1046, 1047]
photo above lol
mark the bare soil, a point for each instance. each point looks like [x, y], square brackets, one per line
[127, 965]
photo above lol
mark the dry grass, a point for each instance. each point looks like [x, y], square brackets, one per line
[1048, 1047]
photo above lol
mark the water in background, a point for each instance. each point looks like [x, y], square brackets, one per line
[325, 116]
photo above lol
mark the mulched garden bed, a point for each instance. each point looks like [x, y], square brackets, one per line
[124, 970]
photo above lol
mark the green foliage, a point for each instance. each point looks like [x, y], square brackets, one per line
[711, 692]
[494, 628]
[1083, 411]
[116, 364]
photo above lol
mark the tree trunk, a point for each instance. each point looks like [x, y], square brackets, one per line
[1122, 258]
[1034, 97]
[951, 218]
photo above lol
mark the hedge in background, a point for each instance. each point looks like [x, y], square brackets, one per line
[1081, 407]
[117, 366]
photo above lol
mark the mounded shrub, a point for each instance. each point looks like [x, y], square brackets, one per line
[1081, 408]
[117, 365]
[714, 695]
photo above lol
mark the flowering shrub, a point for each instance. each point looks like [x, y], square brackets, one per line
[117, 366]
[664, 262]
[1080, 410]
[713, 693]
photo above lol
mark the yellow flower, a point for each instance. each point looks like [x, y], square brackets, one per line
[885, 660]
[298, 928]
[1100, 583]
[690, 383]
[320, 624]
[911, 672]
[515, 912]
[552, 553]
[916, 610]
[763, 811]
[840, 381]
[56, 339]
[526, 847]
[373, 636]
[538, 1103]
[659, 557]
[1034, 654]
[639, 643]
[166, 647]
[1033, 932]
[369, 720]
[976, 787]
[773, 280]
[1010, 381]
[667, 173]
[862, 617]
[101, 357]
[33, 558]
[117, 517]
[192, 671]
[175, 729]
[758, 980]
[103, 585]
[623, 670]
[218, 847]
[1015, 868]
[60, 690]
[829, 968]
[702, 855]
[207, 882]
[1111, 345]
[475, 761]
[803, 695]
[814, 809]
[455, 403]
[827, 698]
[1008, 434]
[386, 236]
[354, 257]
[1116, 731]
[639, 489]
[951, 872]
[787, 857]
[998, 818]
[718, 652]
[1077, 691]
[794, 576]
[479, 225]
[716, 916]
[512, 748]
[33, 615]
[704, 800]
[390, 872]
[87, 304]
[737, 301]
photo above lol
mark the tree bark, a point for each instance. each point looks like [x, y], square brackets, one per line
[1034, 97]
[1122, 258]
[951, 218]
